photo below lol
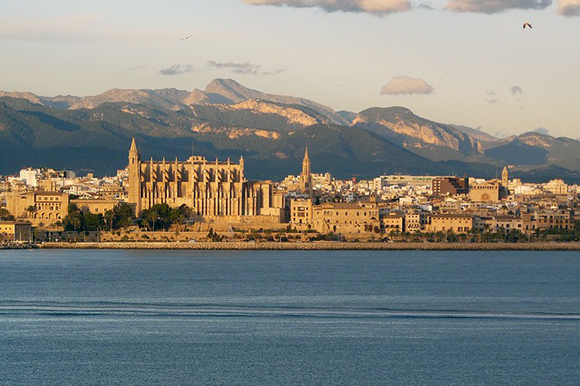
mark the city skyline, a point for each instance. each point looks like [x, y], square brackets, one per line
[460, 61]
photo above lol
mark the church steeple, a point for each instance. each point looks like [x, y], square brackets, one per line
[505, 177]
[133, 146]
[134, 155]
[305, 176]
[306, 163]
[505, 181]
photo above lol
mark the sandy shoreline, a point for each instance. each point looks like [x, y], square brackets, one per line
[318, 246]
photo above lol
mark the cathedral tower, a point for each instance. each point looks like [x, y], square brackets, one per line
[505, 181]
[135, 177]
[305, 177]
[505, 177]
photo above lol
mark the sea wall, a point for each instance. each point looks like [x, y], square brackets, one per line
[319, 246]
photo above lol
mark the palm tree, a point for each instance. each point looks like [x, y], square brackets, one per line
[109, 216]
[31, 209]
[151, 216]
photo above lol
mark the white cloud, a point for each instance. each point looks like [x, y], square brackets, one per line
[242, 68]
[177, 69]
[237, 68]
[379, 7]
[135, 68]
[542, 130]
[569, 7]
[427, 5]
[495, 6]
[406, 85]
[491, 97]
[516, 90]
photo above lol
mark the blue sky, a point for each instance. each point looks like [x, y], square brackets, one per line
[466, 62]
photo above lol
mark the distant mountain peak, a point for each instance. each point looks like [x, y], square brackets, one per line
[401, 126]
[220, 83]
[229, 92]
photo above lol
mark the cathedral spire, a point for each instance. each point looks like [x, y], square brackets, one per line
[306, 163]
[133, 149]
[305, 176]
[134, 155]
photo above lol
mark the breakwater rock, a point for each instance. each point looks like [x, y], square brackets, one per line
[319, 246]
[18, 246]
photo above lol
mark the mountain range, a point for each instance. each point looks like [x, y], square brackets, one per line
[271, 131]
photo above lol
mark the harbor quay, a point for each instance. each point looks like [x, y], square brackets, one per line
[321, 245]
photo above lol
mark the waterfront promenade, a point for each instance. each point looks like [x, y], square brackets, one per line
[318, 246]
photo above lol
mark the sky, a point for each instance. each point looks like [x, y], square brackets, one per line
[466, 62]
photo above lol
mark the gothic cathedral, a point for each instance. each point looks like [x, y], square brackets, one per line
[209, 188]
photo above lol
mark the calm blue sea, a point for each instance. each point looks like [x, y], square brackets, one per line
[289, 318]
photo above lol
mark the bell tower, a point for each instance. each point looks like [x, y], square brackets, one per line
[135, 177]
[505, 181]
[305, 177]
[505, 177]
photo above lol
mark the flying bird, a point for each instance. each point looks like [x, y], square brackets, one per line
[526, 24]
[188, 36]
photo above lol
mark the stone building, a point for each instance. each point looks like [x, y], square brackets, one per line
[47, 208]
[301, 211]
[450, 185]
[457, 223]
[11, 231]
[415, 221]
[393, 222]
[38, 207]
[346, 217]
[211, 189]
[486, 192]
[556, 186]
[558, 219]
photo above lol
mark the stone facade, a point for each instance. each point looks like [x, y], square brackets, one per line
[301, 211]
[38, 207]
[47, 208]
[95, 206]
[457, 223]
[450, 185]
[346, 217]
[415, 222]
[556, 186]
[486, 192]
[210, 189]
[393, 222]
[11, 231]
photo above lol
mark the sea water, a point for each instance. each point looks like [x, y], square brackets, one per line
[87, 317]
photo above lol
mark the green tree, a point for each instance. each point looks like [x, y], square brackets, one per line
[93, 222]
[123, 216]
[73, 221]
[109, 217]
[5, 215]
[177, 218]
[159, 216]
[30, 210]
